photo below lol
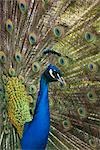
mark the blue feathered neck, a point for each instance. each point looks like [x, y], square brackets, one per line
[36, 132]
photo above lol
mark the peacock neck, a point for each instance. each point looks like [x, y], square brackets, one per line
[43, 85]
[40, 124]
[42, 104]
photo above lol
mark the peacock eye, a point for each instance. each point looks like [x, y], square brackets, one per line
[22, 6]
[12, 72]
[35, 67]
[32, 38]
[58, 31]
[92, 97]
[66, 124]
[82, 112]
[9, 26]
[32, 89]
[92, 68]
[90, 37]
[18, 57]
[2, 57]
[92, 142]
[55, 74]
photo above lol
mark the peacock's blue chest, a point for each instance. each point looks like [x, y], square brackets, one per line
[36, 132]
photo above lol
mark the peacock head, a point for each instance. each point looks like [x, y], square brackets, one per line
[53, 74]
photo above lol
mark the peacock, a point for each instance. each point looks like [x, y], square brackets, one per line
[35, 133]
[44, 41]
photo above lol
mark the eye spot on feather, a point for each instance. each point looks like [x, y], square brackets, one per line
[35, 67]
[92, 142]
[18, 57]
[67, 124]
[9, 26]
[22, 6]
[58, 31]
[2, 57]
[90, 37]
[12, 72]
[63, 61]
[6, 129]
[32, 38]
[91, 95]
[32, 89]
[82, 112]
[92, 67]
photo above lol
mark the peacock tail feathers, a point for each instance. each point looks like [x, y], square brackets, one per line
[18, 104]
[34, 33]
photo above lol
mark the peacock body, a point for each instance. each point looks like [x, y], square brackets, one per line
[33, 34]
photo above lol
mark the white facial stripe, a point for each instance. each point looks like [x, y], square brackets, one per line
[51, 73]
[58, 75]
[59, 78]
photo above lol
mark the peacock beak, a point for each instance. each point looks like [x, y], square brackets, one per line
[61, 79]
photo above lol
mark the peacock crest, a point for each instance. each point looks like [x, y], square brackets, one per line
[33, 34]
